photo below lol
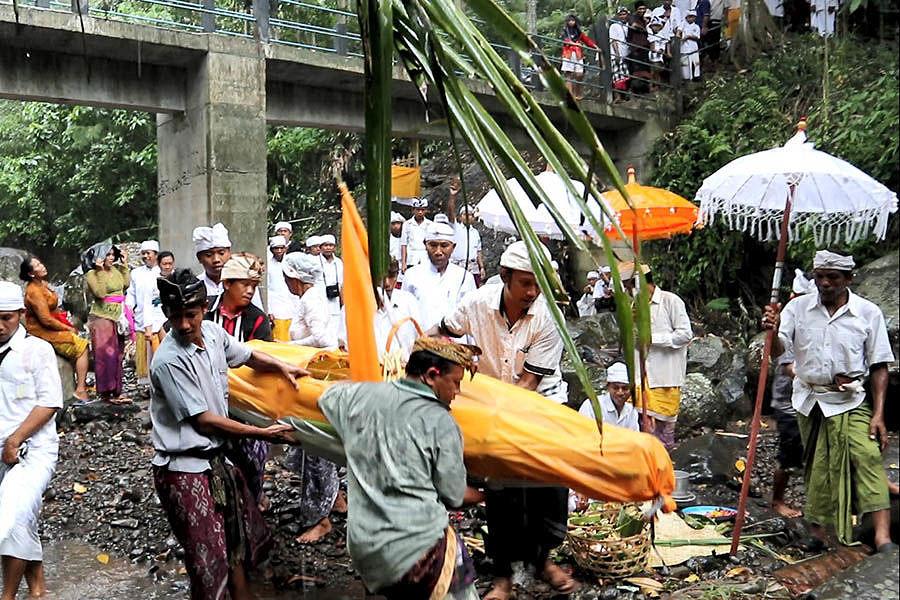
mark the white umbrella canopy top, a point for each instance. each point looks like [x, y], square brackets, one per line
[831, 197]
[493, 214]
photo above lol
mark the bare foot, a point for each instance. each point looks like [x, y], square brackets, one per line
[120, 400]
[340, 503]
[316, 532]
[561, 581]
[786, 511]
[893, 489]
[264, 504]
[502, 589]
[82, 394]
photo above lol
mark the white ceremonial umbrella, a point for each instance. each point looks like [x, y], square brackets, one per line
[493, 214]
[776, 194]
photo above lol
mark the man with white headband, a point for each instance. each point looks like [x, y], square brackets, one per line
[30, 395]
[671, 332]
[395, 240]
[438, 284]
[603, 291]
[467, 253]
[332, 277]
[282, 304]
[313, 244]
[412, 238]
[616, 400]
[213, 249]
[521, 346]
[839, 341]
[148, 323]
[585, 304]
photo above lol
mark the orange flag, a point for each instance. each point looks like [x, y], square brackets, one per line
[359, 296]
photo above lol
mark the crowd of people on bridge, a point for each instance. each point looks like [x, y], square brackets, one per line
[403, 449]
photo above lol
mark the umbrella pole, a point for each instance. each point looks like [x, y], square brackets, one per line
[763, 375]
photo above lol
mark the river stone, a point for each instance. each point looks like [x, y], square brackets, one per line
[724, 364]
[710, 458]
[701, 405]
[577, 395]
[10, 263]
[600, 331]
[879, 282]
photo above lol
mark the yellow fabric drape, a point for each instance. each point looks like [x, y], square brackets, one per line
[406, 182]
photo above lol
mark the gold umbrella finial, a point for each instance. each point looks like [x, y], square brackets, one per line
[801, 125]
[631, 177]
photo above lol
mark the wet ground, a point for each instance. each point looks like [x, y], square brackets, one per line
[106, 537]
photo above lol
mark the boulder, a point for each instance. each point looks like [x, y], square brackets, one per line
[879, 282]
[10, 263]
[701, 405]
[577, 394]
[723, 364]
[66, 376]
[710, 458]
[597, 332]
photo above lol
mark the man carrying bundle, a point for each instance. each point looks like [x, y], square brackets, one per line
[512, 323]
[404, 470]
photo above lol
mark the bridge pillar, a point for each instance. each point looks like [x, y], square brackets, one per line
[212, 157]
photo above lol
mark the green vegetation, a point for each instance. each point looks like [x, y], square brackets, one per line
[853, 109]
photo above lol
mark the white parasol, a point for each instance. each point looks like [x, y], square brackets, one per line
[774, 195]
[493, 214]
[831, 197]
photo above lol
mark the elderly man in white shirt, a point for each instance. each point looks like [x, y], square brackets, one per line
[148, 335]
[585, 304]
[615, 401]
[30, 395]
[412, 238]
[311, 324]
[394, 241]
[437, 284]
[671, 333]
[839, 340]
[521, 346]
[212, 247]
[282, 303]
[332, 276]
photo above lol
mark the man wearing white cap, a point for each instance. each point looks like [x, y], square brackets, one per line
[603, 291]
[282, 303]
[671, 332]
[521, 346]
[313, 245]
[616, 400]
[839, 341]
[148, 323]
[412, 238]
[396, 231]
[438, 284]
[467, 253]
[690, 47]
[585, 304]
[332, 277]
[213, 249]
[30, 395]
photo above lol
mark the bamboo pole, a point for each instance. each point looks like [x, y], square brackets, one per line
[763, 373]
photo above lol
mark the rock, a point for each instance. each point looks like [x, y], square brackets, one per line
[600, 331]
[878, 282]
[104, 411]
[701, 406]
[876, 576]
[577, 394]
[724, 364]
[10, 263]
[710, 458]
[125, 523]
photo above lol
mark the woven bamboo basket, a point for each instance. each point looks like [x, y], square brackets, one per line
[594, 540]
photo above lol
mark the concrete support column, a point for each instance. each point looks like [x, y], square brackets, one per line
[212, 157]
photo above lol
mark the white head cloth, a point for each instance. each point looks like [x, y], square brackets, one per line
[210, 237]
[515, 257]
[11, 298]
[801, 284]
[298, 265]
[441, 218]
[327, 239]
[593, 275]
[617, 373]
[276, 241]
[419, 203]
[397, 217]
[605, 269]
[830, 260]
[313, 241]
[151, 245]
[283, 225]
[439, 232]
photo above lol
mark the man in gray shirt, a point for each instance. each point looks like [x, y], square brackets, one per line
[210, 509]
[405, 469]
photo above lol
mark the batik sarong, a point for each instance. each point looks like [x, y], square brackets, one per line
[319, 482]
[201, 525]
[108, 347]
[250, 457]
[842, 467]
[445, 572]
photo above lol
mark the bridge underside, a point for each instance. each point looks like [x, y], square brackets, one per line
[214, 96]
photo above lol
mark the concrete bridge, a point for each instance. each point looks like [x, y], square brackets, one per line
[214, 94]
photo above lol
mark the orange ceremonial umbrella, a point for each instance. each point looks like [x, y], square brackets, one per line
[657, 213]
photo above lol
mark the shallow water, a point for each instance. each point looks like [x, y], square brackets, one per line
[74, 573]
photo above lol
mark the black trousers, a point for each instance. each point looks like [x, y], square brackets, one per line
[525, 524]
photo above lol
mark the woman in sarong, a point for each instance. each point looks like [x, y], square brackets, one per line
[106, 280]
[44, 320]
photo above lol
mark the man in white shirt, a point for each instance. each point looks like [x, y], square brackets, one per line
[839, 340]
[467, 253]
[618, 49]
[282, 304]
[332, 276]
[399, 308]
[585, 304]
[603, 292]
[521, 346]
[821, 16]
[671, 16]
[396, 231]
[148, 335]
[30, 395]
[437, 284]
[671, 333]
[412, 238]
[313, 245]
[615, 401]
[212, 247]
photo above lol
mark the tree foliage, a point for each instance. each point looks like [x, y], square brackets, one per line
[852, 108]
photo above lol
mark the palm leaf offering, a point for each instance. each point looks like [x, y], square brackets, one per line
[441, 47]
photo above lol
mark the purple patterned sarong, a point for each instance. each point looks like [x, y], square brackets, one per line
[108, 349]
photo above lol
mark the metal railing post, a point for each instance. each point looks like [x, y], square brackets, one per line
[340, 41]
[261, 12]
[78, 7]
[208, 20]
[601, 36]
[675, 74]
